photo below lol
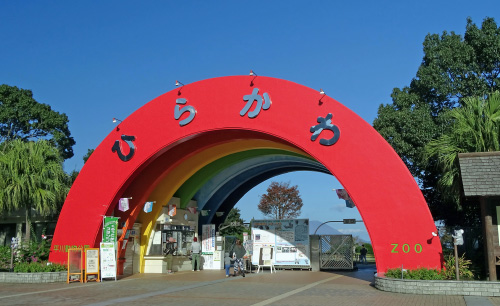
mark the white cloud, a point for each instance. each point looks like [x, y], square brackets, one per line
[351, 230]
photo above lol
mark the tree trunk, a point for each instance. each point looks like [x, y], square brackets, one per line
[28, 224]
[488, 229]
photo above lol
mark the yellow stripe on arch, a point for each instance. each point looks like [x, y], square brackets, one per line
[166, 188]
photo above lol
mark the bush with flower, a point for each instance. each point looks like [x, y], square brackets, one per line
[29, 256]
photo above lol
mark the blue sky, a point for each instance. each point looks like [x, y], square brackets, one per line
[98, 60]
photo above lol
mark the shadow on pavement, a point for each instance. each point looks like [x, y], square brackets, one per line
[364, 272]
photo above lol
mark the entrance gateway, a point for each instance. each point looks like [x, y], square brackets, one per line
[213, 140]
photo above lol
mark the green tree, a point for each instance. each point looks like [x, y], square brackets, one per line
[22, 117]
[475, 127]
[452, 69]
[31, 178]
[281, 201]
[74, 174]
[87, 156]
[234, 216]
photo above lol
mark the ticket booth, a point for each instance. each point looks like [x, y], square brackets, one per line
[178, 230]
[180, 235]
[481, 186]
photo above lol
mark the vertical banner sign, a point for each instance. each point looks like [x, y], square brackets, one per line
[109, 229]
[108, 260]
[208, 246]
[208, 236]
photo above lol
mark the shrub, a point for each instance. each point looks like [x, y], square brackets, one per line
[4, 257]
[463, 268]
[29, 257]
[434, 274]
[393, 273]
[420, 273]
[33, 251]
[33, 267]
[425, 274]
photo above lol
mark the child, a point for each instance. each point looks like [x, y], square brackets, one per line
[227, 263]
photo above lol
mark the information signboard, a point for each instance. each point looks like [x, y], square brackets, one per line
[288, 238]
[266, 259]
[108, 260]
[75, 265]
[210, 259]
[208, 236]
[92, 264]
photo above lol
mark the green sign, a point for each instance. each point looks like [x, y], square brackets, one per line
[109, 229]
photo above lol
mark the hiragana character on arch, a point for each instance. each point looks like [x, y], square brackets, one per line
[325, 123]
[255, 97]
[178, 111]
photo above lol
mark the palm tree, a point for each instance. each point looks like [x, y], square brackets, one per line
[31, 177]
[475, 127]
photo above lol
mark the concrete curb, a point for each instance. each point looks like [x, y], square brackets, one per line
[32, 278]
[441, 287]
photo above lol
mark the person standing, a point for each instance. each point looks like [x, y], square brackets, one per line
[195, 253]
[227, 263]
[238, 254]
[362, 254]
[169, 253]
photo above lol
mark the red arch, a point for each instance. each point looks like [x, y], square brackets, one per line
[390, 202]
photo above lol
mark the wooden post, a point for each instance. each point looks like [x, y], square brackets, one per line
[488, 235]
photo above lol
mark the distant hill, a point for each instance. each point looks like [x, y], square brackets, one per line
[325, 229]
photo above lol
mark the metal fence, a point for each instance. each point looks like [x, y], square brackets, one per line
[229, 243]
[336, 252]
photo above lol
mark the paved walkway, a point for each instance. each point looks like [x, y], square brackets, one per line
[213, 288]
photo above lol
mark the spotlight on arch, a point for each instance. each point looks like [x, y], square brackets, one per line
[254, 76]
[322, 92]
